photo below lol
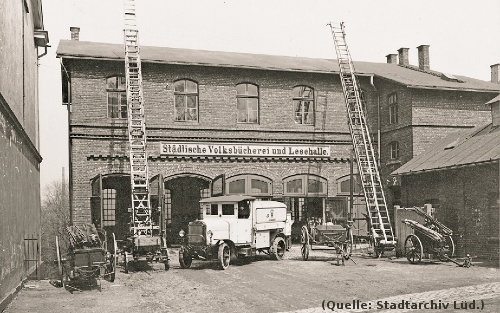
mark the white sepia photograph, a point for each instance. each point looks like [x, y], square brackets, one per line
[262, 156]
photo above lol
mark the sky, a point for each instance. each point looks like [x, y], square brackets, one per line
[463, 36]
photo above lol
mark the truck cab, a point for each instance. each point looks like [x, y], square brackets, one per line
[236, 226]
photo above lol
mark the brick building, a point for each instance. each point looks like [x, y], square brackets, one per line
[459, 176]
[274, 127]
[23, 41]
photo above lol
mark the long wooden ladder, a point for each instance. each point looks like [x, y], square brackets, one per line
[381, 229]
[141, 210]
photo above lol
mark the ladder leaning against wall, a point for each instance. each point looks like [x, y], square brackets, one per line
[381, 230]
[146, 239]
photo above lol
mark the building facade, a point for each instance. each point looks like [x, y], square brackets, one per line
[23, 42]
[273, 127]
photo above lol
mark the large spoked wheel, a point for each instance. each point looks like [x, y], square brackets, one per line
[451, 246]
[59, 263]
[185, 259]
[113, 260]
[413, 249]
[348, 245]
[224, 256]
[278, 249]
[304, 240]
[448, 250]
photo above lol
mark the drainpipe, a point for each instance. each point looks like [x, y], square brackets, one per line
[378, 121]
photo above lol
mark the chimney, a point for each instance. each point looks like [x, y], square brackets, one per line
[403, 56]
[495, 73]
[423, 58]
[75, 33]
[392, 58]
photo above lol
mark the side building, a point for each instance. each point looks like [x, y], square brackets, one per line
[460, 177]
[23, 41]
[273, 127]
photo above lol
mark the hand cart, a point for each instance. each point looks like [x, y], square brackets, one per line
[88, 259]
[318, 236]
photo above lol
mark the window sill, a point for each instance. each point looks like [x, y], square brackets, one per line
[392, 162]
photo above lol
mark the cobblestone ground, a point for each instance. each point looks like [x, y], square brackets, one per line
[257, 285]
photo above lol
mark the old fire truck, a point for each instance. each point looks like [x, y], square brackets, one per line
[236, 226]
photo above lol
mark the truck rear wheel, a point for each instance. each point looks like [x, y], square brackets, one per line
[278, 248]
[224, 256]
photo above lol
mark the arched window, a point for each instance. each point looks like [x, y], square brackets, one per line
[344, 185]
[247, 103]
[303, 105]
[305, 185]
[117, 97]
[252, 185]
[186, 101]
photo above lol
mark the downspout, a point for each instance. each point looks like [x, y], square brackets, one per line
[378, 120]
[70, 166]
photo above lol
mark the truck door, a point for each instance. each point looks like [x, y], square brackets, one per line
[244, 233]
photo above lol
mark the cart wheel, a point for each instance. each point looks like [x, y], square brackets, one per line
[448, 250]
[304, 240]
[113, 260]
[413, 249]
[278, 249]
[348, 245]
[185, 259]
[224, 256]
[59, 263]
[451, 246]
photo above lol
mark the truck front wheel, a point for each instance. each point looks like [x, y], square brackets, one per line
[185, 259]
[224, 256]
[278, 248]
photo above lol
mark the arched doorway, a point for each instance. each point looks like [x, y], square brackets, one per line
[182, 200]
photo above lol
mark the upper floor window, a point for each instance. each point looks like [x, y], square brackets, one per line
[247, 97]
[186, 100]
[303, 105]
[394, 150]
[117, 97]
[392, 100]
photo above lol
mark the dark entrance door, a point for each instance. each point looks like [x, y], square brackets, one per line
[185, 194]
[109, 204]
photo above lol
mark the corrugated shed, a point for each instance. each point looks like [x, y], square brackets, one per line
[470, 147]
[409, 76]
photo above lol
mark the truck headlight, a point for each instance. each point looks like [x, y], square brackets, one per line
[182, 233]
[209, 233]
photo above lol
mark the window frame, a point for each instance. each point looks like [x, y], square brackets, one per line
[394, 150]
[248, 178]
[185, 96]
[304, 178]
[302, 99]
[109, 207]
[247, 96]
[121, 94]
[392, 101]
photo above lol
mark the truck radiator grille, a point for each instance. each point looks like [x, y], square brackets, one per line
[196, 234]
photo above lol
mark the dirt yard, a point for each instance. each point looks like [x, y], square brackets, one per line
[263, 285]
